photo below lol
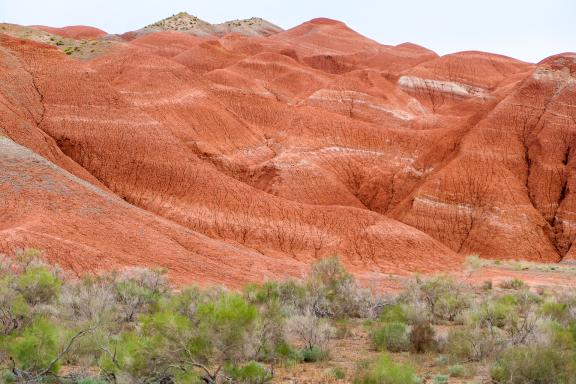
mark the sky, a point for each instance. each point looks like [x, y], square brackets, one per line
[529, 30]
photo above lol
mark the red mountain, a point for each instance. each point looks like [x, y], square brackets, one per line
[241, 152]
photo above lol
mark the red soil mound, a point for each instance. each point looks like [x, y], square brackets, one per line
[242, 158]
[78, 32]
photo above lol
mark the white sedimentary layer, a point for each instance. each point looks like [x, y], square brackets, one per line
[451, 87]
[358, 99]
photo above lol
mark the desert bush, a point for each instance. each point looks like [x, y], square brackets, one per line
[443, 298]
[35, 347]
[517, 315]
[38, 285]
[334, 293]
[186, 301]
[422, 337]
[535, 364]
[385, 371]
[312, 332]
[391, 336]
[90, 381]
[138, 289]
[473, 344]
[457, 370]
[515, 284]
[15, 311]
[140, 331]
[314, 354]
[226, 324]
[393, 313]
[270, 331]
[522, 329]
[493, 314]
[441, 379]
[91, 300]
[342, 327]
[37, 350]
[294, 296]
[249, 373]
[557, 311]
[338, 373]
[474, 261]
[168, 344]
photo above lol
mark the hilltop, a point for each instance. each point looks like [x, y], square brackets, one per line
[186, 23]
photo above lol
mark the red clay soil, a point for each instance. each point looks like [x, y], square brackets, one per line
[78, 32]
[244, 157]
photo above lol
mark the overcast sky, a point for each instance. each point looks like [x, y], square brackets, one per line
[525, 29]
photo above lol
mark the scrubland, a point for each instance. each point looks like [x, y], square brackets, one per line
[132, 326]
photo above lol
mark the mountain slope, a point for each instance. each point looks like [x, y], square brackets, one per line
[270, 150]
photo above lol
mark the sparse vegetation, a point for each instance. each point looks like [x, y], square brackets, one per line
[512, 284]
[131, 327]
[457, 370]
[391, 336]
[385, 371]
[338, 373]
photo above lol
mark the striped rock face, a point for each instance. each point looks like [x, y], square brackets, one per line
[241, 152]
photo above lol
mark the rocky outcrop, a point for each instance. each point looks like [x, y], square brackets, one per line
[186, 23]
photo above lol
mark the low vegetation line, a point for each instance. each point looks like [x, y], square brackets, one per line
[131, 327]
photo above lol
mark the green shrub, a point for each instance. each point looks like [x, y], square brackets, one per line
[493, 314]
[443, 298]
[450, 307]
[285, 353]
[262, 294]
[250, 373]
[556, 311]
[38, 285]
[167, 342]
[36, 347]
[313, 354]
[457, 370]
[139, 293]
[338, 373]
[90, 381]
[293, 295]
[270, 329]
[391, 336]
[226, 322]
[473, 344]
[131, 353]
[393, 313]
[16, 311]
[8, 377]
[541, 365]
[385, 371]
[333, 291]
[440, 379]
